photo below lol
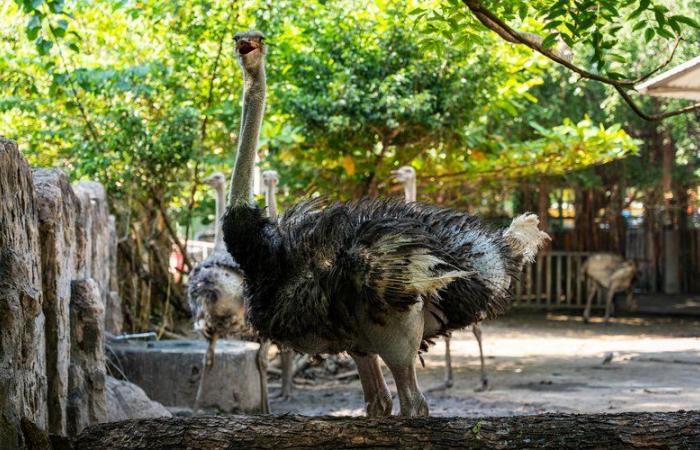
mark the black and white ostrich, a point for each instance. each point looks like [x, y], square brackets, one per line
[216, 298]
[375, 278]
[406, 176]
[270, 179]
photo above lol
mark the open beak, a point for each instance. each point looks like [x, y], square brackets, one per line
[244, 46]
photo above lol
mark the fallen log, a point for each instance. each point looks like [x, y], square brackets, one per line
[555, 431]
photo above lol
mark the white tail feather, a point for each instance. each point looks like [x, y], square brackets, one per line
[525, 237]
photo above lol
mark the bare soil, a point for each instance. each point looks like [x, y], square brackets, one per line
[538, 364]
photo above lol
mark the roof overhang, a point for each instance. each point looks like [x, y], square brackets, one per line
[680, 82]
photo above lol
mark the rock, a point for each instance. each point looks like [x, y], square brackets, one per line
[169, 372]
[114, 319]
[128, 401]
[22, 341]
[87, 398]
[58, 208]
[95, 222]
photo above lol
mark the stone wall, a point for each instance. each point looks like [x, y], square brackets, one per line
[23, 391]
[55, 250]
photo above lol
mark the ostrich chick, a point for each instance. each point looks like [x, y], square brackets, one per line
[375, 278]
[217, 299]
[270, 178]
[406, 176]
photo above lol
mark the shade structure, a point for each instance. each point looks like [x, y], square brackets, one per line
[682, 81]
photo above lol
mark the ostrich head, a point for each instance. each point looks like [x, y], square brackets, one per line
[250, 50]
[404, 174]
[216, 180]
[270, 177]
[216, 296]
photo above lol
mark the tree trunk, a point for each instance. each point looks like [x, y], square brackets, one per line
[560, 431]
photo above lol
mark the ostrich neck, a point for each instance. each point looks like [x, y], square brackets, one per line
[271, 201]
[409, 189]
[253, 108]
[218, 234]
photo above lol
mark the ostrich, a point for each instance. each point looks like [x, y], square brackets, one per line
[216, 298]
[611, 272]
[406, 175]
[270, 180]
[374, 278]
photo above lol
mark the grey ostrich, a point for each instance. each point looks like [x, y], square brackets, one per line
[406, 175]
[270, 179]
[217, 300]
[374, 278]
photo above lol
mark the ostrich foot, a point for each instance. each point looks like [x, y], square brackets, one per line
[412, 401]
[484, 386]
[447, 384]
[379, 406]
[377, 396]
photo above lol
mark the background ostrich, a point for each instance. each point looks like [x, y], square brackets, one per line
[611, 272]
[406, 175]
[270, 178]
[375, 278]
[216, 298]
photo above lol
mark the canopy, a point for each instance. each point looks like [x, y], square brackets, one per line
[680, 82]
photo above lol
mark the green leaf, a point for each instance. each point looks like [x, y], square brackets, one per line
[56, 6]
[549, 41]
[686, 20]
[33, 27]
[649, 34]
[665, 33]
[643, 5]
[60, 28]
[43, 46]
[639, 25]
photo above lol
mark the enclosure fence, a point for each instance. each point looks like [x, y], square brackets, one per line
[555, 281]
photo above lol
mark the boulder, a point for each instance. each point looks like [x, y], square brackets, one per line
[128, 401]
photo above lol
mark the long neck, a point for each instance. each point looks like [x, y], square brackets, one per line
[271, 201]
[409, 188]
[253, 108]
[218, 235]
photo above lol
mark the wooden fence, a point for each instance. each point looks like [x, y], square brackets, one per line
[555, 281]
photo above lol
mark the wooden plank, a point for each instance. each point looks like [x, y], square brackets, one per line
[528, 283]
[548, 281]
[559, 278]
[538, 280]
[569, 279]
[579, 286]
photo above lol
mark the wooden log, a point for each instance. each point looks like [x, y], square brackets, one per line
[22, 341]
[552, 431]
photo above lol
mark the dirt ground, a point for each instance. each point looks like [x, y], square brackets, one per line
[538, 364]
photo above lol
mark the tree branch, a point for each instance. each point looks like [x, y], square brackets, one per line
[494, 23]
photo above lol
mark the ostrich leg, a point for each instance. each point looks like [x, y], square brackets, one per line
[207, 364]
[476, 329]
[587, 312]
[413, 402]
[609, 302]
[377, 396]
[449, 379]
[287, 360]
[261, 360]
